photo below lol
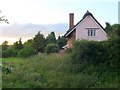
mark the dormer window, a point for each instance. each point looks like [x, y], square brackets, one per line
[91, 32]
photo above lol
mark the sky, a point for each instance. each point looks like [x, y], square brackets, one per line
[27, 17]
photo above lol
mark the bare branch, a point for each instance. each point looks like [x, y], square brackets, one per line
[2, 19]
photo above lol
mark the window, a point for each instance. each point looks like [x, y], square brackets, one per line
[88, 32]
[91, 32]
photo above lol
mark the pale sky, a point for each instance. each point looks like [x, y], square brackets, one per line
[51, 12]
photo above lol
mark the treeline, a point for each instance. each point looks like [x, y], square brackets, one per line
[39, 44]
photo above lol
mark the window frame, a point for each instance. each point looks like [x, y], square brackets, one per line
[91, 32]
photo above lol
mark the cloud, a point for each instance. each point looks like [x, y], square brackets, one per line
[28, 30]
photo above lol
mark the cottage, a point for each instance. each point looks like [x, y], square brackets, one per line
[88, 28]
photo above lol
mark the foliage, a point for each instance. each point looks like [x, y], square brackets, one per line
[52, 48]
[56, 71]
[18, 45]
[112, 30]
[108, 28]
[9, 53]
[114, 52]
[51, 38]
[61, 41]
[5, 45]
[27, 52]
[115, 30]
[114, 47]
[39, 42]
[28, 43]
[89, 51]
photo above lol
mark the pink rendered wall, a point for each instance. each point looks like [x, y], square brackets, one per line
[89, 22]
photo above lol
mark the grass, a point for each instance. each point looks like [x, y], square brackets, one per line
[11, 59]
[54, 71]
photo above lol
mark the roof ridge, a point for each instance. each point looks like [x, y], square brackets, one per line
[87, 14]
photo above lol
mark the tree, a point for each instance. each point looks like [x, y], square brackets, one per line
[108, 28]
[116, 30]
[61, 41]
[39, 42]
[28, 43]
[51, 38]
[18, 45]
[5, 45]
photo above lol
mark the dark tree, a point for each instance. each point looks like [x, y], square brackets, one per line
[18, 45]
[108, 28]
[61, 41]
[5, 45]
[116, 29]
[39, 42]
[51, 38]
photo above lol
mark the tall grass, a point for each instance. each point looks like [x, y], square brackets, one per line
[54, 71]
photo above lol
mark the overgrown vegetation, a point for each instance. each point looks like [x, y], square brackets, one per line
[55, 71]
[89, 64]
[90, 51]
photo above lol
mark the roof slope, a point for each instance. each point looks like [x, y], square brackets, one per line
[85, 15]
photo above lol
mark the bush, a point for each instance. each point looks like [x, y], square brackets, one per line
[114, 52]
[52, 48]
[9, 53]
[89, 51]
[27, 52]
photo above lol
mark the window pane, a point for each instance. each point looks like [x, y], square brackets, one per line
[94, 32]
[88, 32]
[91, 32]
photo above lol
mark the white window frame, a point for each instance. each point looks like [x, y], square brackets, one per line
[91, 32]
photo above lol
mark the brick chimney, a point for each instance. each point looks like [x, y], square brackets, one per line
[71, 20]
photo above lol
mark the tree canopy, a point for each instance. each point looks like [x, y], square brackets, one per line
[61, 41]
[39, 42]
[51, 38]
[4, 45]
[18, 45]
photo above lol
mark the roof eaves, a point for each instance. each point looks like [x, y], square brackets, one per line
[98, 22]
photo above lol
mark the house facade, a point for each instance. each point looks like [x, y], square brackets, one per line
[86, 29]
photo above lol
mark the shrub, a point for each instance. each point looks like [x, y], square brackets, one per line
[52, 48]
[9, 53]
[114, 52]
[89, 51]
[26, 52]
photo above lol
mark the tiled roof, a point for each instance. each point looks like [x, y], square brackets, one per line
[69, 31]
